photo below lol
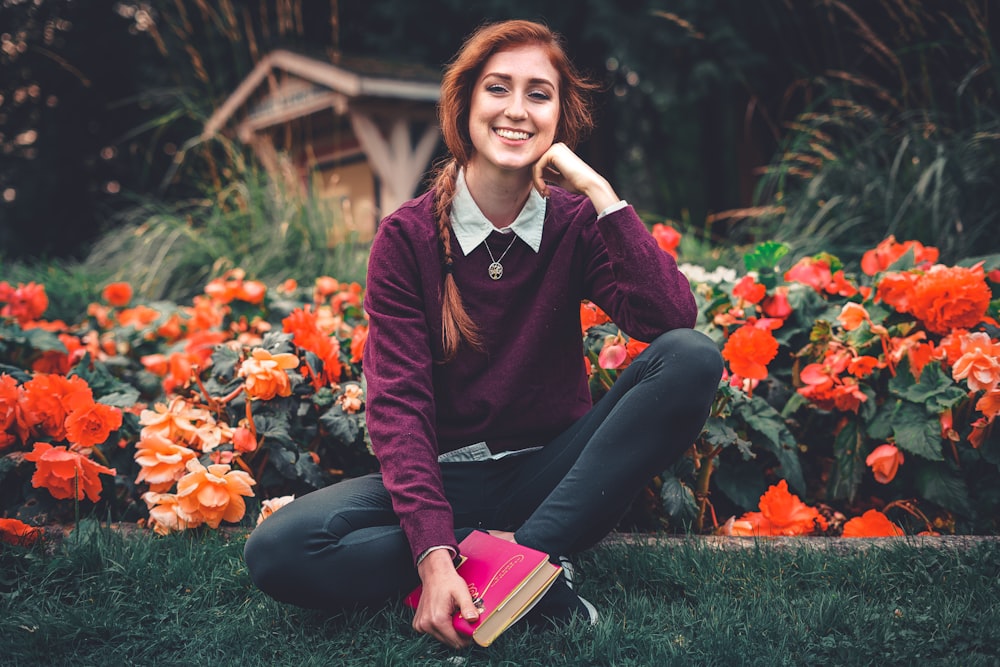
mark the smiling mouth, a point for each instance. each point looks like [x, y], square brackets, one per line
[513, 135]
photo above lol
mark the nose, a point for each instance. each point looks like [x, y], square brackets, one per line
[515, 110]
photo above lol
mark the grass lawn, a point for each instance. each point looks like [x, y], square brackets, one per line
[107, 599]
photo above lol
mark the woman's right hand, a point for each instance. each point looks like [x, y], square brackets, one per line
[444, 592]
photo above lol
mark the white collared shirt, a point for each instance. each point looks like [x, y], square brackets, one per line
[472, 227]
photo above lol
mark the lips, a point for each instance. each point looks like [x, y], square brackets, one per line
[512, 135]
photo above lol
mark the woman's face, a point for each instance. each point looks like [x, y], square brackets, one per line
[515, 109]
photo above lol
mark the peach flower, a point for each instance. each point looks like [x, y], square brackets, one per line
[165, 514]
[852, 316]
[884, 462]
[163, 461]
[265, 374]
[213, 494]
[979, 364]
[272, 505]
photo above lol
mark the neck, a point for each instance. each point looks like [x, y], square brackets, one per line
[500, 195]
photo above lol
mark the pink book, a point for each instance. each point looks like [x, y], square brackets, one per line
[505, 579]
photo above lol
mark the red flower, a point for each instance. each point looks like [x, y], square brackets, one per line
[944, 298]
[871, 524]
[749, 350]
[667, 238]
[748, 290]
[18, 533]
[89, 423]
[358, 339]
[66, 474]
[888, 251]
[776, 305]
[884, 462]
[117, 294]
[810, 271]
[25, 303]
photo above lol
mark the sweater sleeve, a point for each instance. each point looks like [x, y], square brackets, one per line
[634, 281]
[400, 403]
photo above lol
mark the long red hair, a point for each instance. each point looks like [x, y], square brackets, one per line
[461, 75]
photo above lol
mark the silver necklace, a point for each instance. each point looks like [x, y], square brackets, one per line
[496, 268]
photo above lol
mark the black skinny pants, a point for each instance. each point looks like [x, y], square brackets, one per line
[342, 545]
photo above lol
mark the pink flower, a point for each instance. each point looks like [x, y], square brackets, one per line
[884, 462]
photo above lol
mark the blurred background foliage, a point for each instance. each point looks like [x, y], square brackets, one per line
[827, 124]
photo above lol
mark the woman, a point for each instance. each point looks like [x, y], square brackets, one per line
[478, 404]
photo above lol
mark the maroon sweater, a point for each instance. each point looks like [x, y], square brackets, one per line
[529, 383]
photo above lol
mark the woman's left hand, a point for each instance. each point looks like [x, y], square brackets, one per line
[563, 167]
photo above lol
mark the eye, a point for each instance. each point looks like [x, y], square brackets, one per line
[539, 95]
[496, 88]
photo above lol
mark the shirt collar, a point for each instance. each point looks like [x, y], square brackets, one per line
[472, 227]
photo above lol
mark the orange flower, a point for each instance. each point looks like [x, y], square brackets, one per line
[272, 505]
[18, 533]
[989, 404]
[162, 461]
[979, 364]
[56, 362]
[781, 514]
[324, 287]
[138, 317]
[66, 474]
[591, 315]
[884, 462]
[9, 394]
[89, 423]
[358, 339]
[244, 440]
[749, 350]
[872, 524]
[213, 494]
[45, 401]
[304, 326]
[947, 298]
[265, 374]
[840, 286]
[852, 316]
[786, 514]
[667, 238]
[888, 251]
[117, 294]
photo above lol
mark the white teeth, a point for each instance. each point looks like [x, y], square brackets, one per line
[511, 134]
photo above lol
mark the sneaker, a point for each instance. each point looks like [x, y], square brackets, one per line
[560, 605]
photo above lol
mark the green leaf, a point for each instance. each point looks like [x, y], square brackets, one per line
[917, 433]
[275, 428]
[99, 379]
[934, 385]
[310, 473]
[278, 342]
[743, 484]
[340, 426]
[765, 256]
[43, 341]
[880, 427]
[767, 422]
[939, 484]
[678, 500]
[848, 463]
[123, 398]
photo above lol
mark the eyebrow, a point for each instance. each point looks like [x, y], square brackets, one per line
[508, 77]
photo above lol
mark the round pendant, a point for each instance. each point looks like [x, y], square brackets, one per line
[496, 270]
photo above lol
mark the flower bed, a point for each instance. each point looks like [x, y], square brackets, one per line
[872, 397]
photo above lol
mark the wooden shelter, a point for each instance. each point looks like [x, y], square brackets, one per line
[359, 134]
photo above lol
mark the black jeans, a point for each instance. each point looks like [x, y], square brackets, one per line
[342, 545]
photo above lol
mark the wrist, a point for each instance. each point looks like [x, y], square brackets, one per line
[601, 194]
[435, 562]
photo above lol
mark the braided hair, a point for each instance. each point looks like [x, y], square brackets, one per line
[461, 75]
